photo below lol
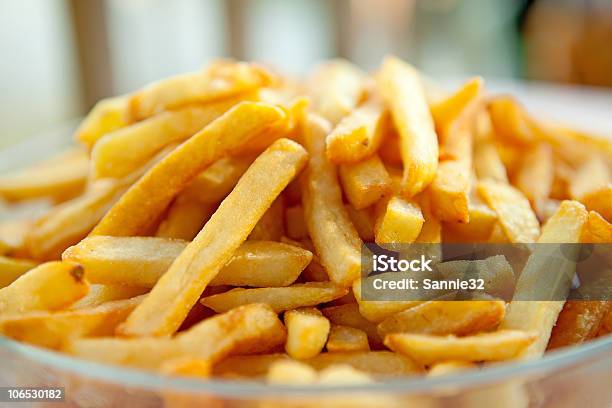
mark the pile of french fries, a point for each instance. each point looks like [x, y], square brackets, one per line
[211, 224]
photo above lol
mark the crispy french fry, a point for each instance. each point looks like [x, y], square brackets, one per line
[221, 79]
[450, 190]
[165, 308]
[280, 299]
[50, 286]
[348, 315]
[99, 294]
[431, 349]
[108, 115]
[401, 87]
[591, 176]
[452, 112]
[141, 261]
[295, 223]
[597, 230]
[579, 321]
[398, 220]
[365, 182]
[363, 220]
[51, 329]
[291, 372]
[335, 89]
[13, 268]
[510, 121]
[600, 200]
[478, 229]
[346, 339]
[358, 135]
[307, 331]
[446, 317]
[535, 176]
[271, 226]
[450, 367]
[335, 239]
[60, 178]
[488, 164]
[513, 211]
[185, 218]
[138, 208]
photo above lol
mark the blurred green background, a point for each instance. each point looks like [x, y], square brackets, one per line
[60, 56]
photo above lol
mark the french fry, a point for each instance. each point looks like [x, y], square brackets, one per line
[535, 176]
[271, 226]
[510, 121]
[430, 349]
[446, 317]
[450, 367]
[514, 213]
[51, 329]
[280, 299]
[186, 367]
[291, 372]
[334, 237]
[365, 182]
[165, 308]
[12, 236]
[13, 268]
[377, 363]
[488, 164]
[335, 89]
[185, 218]
[295, 223]
[363, 220]
[141, 261]
[50, 286]
[307, 331]
[358, 135]
[221, 79]
[526, 311]
[452, 112]
[348, 315]
[60, 178]
[401, 88]
[99, 294]
[478, 229]
[138, 208]
[346, 339]
[591, 176]
[108, 115]
[245, 330]
[596, 230]
[600, 200]
[378, 310]
[398, 220]
[579, 321]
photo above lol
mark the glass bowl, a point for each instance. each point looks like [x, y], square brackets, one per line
[577, 376]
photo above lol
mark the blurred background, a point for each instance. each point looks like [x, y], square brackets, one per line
[60, 56]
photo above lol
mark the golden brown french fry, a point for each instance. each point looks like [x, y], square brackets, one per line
[271, 226]
[398, 220]
[510, 121]
[431, 231]
[365, 182]
[185, 218]
[358, 135]
[527, 311]
[335, 88]
[121, 152]
[478, 229]
[441, 317]
[106, 116]
[401, 88]
[513, 211]
[51, 329]
[13, 268]
[346, 339]
[295, 223]
[60, 178]
[363, 220]
[245, 330]
[488, 164]
[535, 176]
[99, 294]
[334, 237]
[348, 315]
[495, 271]
[138, 208]
[596, 230]
[165, 308]
[50, 286]
[378, 310]
[600, 200]
[141, 261]
[221, 79]
[592, 175]
[431, 349]
[307, 332]
[451, 113]
[579, 321]
[280, 299]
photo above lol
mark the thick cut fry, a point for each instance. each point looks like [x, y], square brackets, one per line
[185, 218]
[513, 211]
[222, 79]
[591, 176]
[141, 261]
[401, 87]
[60, 178]
[346, 339]
[335, 239]
[596, 230]
[488, 164]
[579, 321]
[363, 221]
[142, 204]
[451, 113]
[600, 200]
[280, 299]
[348, 315]
[398, 220]
[430, 349]
[450, 191]
[165, 308]
[497, 274]
[478, 229]
[99, 294]
[295, 224]
[335, 89]
[446, 317]
[108, 115]
[50, 286]
[358, 135]
[47, 329]
[450, 367]
[121, 152]
[535, 176]
[13, 268]
[365, 182]
[271, 226]
[307, 332]
[529, 309]
[245, 330]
